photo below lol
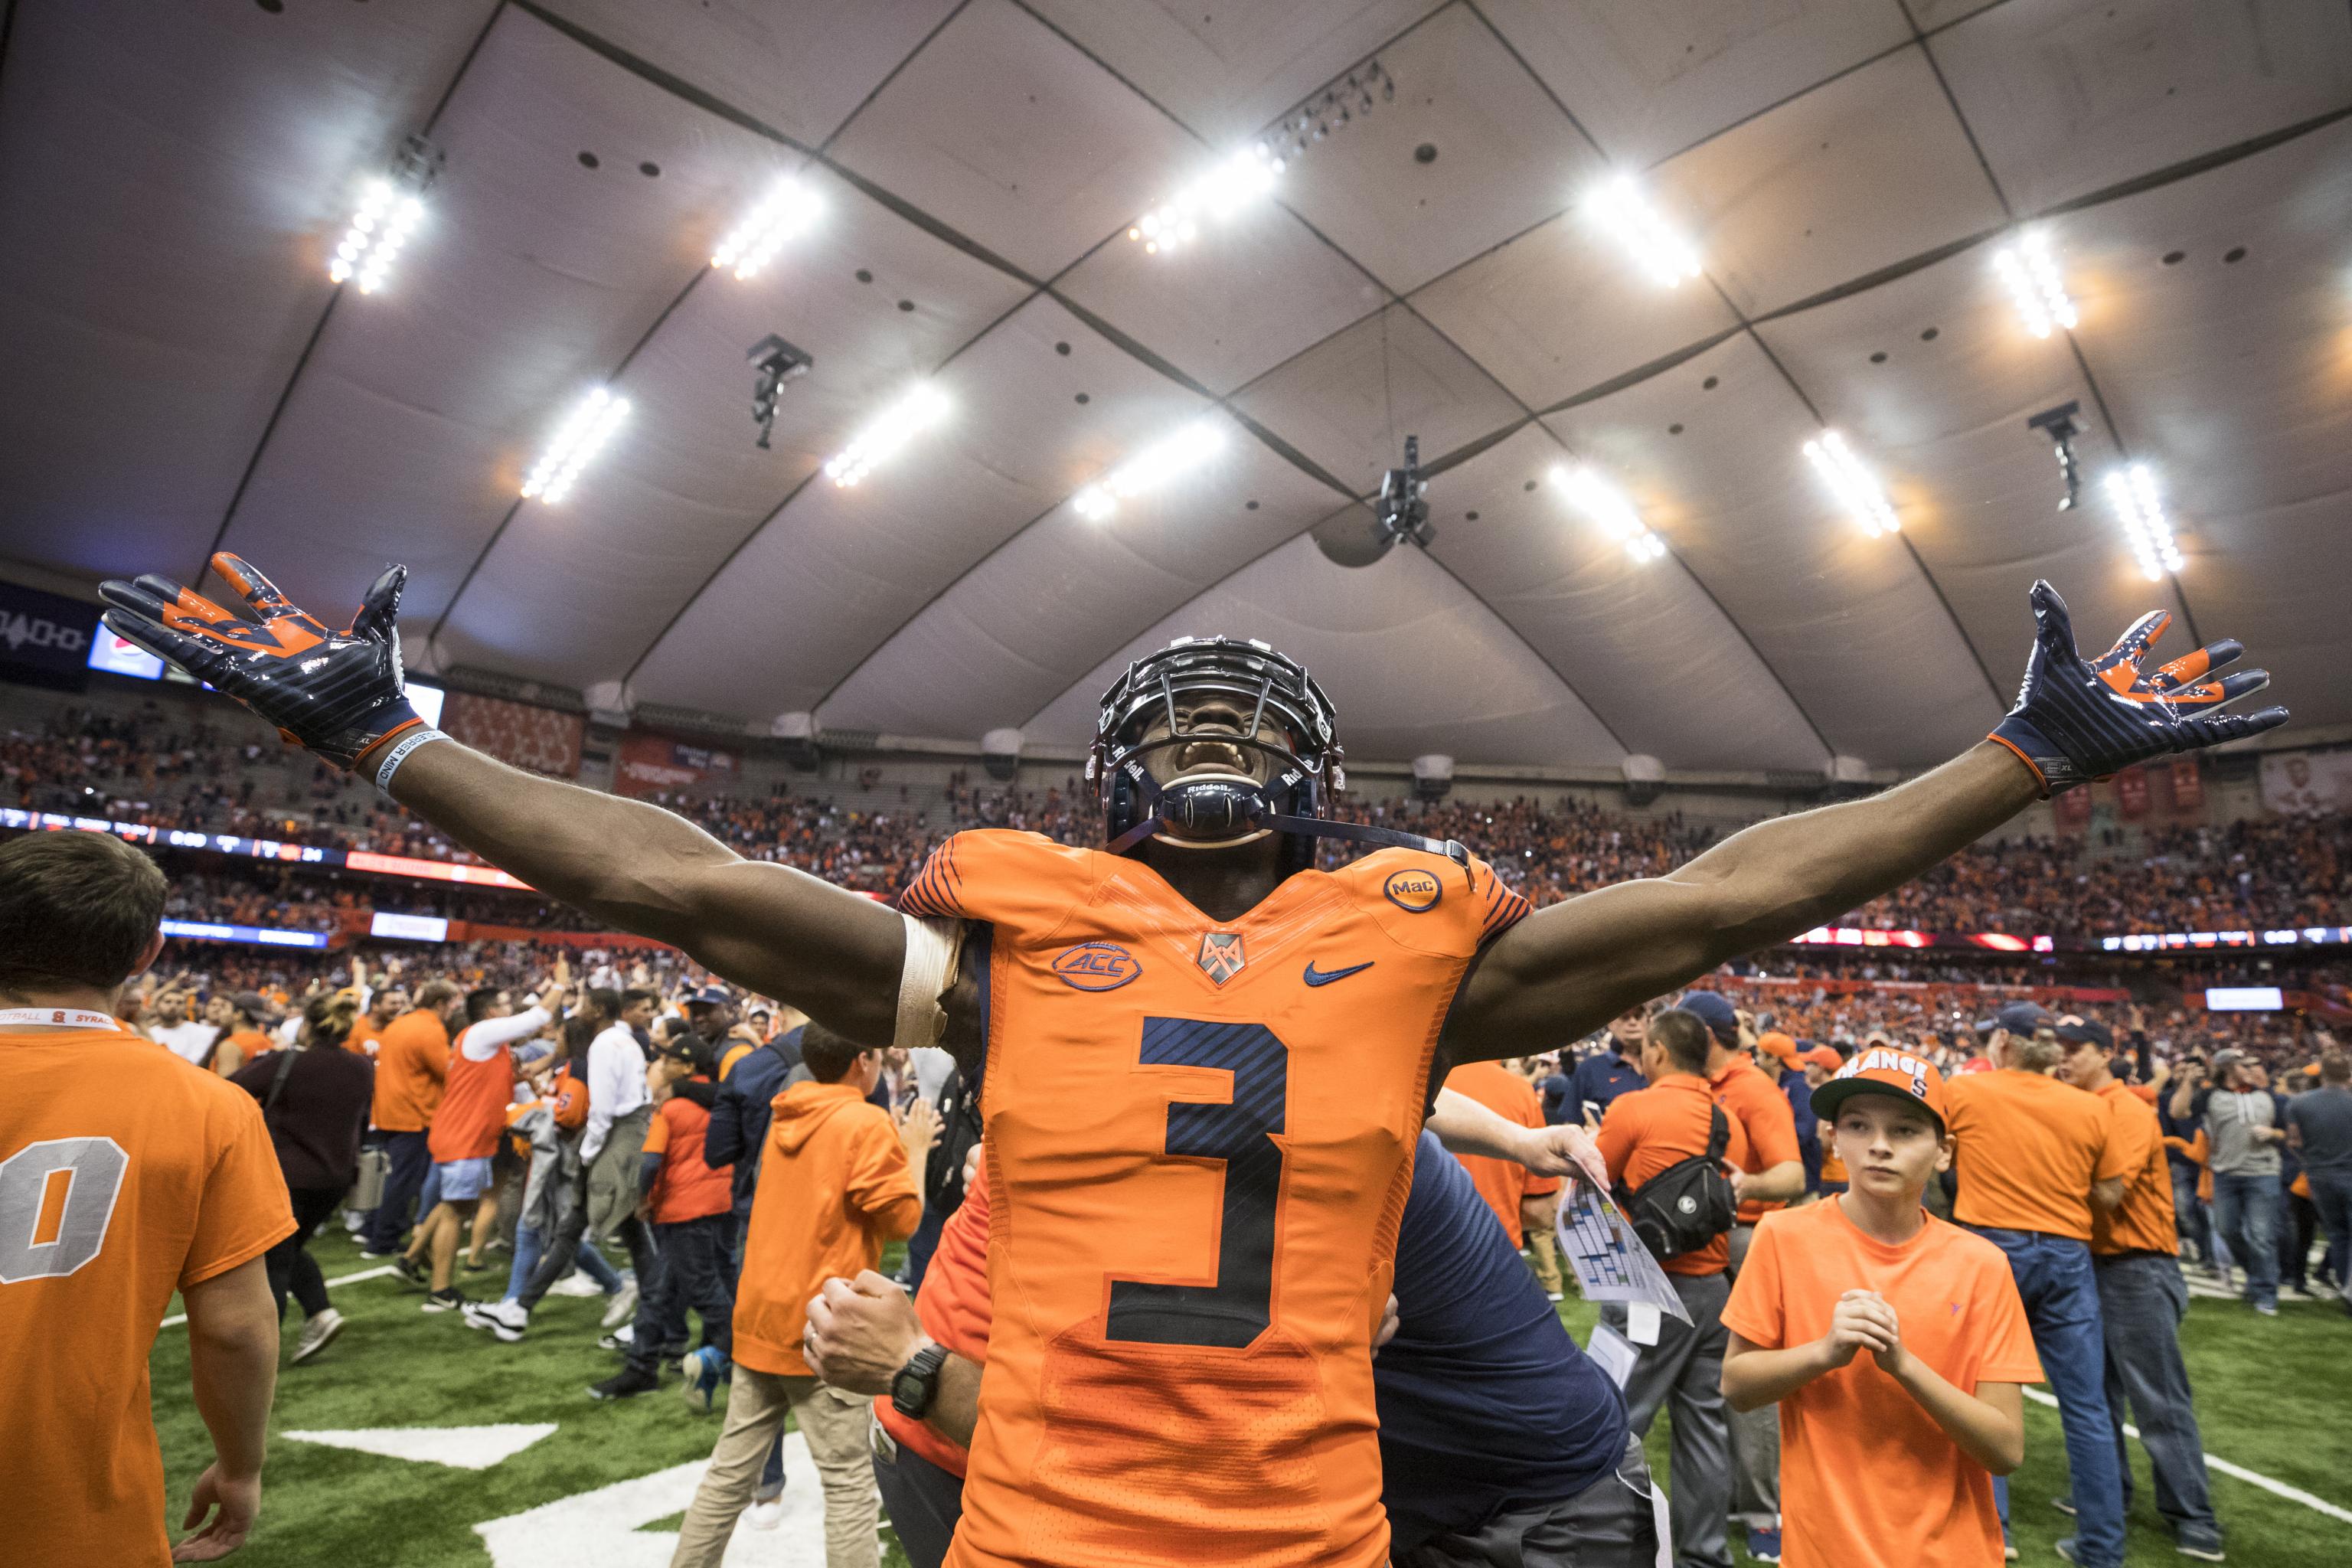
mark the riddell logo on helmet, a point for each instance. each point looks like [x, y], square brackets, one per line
[1413, 890]
[1097, 966]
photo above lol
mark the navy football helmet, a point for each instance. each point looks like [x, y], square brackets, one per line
[1290, 726]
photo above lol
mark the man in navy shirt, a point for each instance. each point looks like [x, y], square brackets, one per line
[1782, 1061]
[1615, 1071]
[1500, 1441]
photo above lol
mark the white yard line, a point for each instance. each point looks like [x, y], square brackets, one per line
[339, 1279]
[2251, 1478]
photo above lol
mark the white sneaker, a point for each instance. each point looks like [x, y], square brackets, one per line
[507, 1319]
[575, 1284]
[317, 1333]
[623, 1306]
[765, 1513]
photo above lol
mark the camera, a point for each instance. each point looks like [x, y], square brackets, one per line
[1403, 511]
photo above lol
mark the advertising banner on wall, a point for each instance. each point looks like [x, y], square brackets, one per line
[650, 763]
[539, 738]
[45, 639]
[2308, 784]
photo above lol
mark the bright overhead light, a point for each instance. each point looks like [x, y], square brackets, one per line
[1216, 195]
[1605, 505]
[1855, 487]
[1619, 205]
[2132, 491]
[577, 441]
[913, 414]
[2032, 274]
[1154, 466]
[786, 212]
[382, 226]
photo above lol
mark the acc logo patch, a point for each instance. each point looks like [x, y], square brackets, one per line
[1413, 890]
[1097, 966]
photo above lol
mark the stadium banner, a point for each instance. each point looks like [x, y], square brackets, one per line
[2188, 784]
[45, 639]
[539, 738]
[259, 936]
[649, 763]
[2131, 793]
[2073, 809]
[2308, 784]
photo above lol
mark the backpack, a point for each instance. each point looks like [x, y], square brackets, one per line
[1686, 1205]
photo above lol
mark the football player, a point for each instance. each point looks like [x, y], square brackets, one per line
[1192, 1023]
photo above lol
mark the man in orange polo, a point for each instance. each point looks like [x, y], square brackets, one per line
[1522, 1201]
[1770, 1178]
[2136, 1259]
[1645, 1132]
[411, 1062]
[2035, 1157]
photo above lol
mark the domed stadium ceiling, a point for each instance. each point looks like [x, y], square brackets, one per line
[184, 375]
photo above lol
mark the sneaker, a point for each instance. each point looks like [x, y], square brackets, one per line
[2066, 1548]
[507, 1319]
[765, 1512]
[623, 1306]
[575, 1284]
[446, 1300]
[2009, 1550]
[2204, 1550]
[626, 1384]
[1556, 1296]
[621, 1339]
[317, 1333]
[416, 1273]
[371, 1252]
[2064, 1505]
[700, 1370]
[473, 1264]
[2267, 1308]
[1764, 1545]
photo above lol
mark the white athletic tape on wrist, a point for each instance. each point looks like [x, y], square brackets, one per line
[933, 948]
[399, 754]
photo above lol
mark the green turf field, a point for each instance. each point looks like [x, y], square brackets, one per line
[2271, 1394]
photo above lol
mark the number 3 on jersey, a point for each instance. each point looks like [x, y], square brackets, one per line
[1241, 1132]
[56, 1199]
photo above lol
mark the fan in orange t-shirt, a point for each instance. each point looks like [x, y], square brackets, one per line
[1886, 1459]
[126, 1172]
[1522, 1201]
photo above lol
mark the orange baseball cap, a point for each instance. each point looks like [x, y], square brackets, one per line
[1825, 1058]
[1885, 1069]
[1777, 1044]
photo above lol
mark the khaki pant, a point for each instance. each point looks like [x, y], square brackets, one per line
[837, 1427]
[1543, 1251]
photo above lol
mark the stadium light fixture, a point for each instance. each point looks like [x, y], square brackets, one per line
[2138, 503]
[786, 212]
[1619, 206]
[577, 441]
[1605, 505]
[916, 411]
[391, 206]
[1154, 466]
[2035, 283]
[1856, 488]
[1243, 178]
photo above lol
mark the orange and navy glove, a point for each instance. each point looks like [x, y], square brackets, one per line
[340, 694]
[2077, 720]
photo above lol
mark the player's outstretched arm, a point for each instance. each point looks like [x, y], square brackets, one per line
[1570, 968]
[781, 932]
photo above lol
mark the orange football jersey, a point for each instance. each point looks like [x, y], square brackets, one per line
[125, 1174]
[1200, 1138]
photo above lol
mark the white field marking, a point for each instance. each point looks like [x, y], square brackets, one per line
[2251, 1478]
[339, 1279]
[460, 1448]
[602, 1529]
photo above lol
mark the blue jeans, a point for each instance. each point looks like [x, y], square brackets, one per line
[2142, 1299]
[2331, 1195]
[412, 1161]
[2061, 1306]
[2245, 1211]
[2189, 1215]
[693, 1273]
[530, 1246]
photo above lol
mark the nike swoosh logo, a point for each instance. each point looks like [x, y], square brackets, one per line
[1325, 977]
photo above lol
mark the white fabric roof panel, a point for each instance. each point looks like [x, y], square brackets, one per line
[684, 484]
[1411, 661]
[174, 182]
[171, 182]
[1832, 611]
[1618, 632]
[982, 655]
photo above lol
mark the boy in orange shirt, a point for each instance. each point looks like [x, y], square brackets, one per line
[1886, 1459]
[837, 1180]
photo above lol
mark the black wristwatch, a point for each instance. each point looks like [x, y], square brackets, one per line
[917, 1383]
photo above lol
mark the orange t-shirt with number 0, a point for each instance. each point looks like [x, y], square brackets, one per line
[1867, 1479]
[125, 1174]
